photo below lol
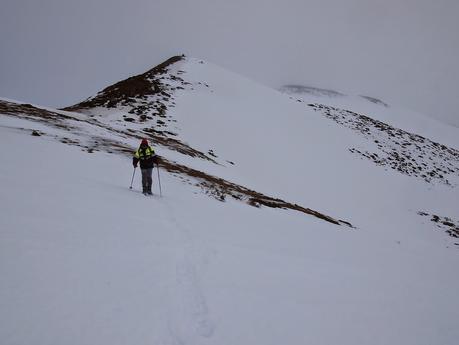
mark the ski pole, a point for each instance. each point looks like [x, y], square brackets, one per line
[159, 180]
[132, 180]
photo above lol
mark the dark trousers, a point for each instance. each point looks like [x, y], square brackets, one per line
[146, 179]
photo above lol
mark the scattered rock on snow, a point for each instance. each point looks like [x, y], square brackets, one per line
[450, 226]
[407, 153]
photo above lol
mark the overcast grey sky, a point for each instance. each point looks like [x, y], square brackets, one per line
[57, 52]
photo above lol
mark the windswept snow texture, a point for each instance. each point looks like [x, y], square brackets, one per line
[85, 260]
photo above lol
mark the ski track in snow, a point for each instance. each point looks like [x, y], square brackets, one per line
[189, 317]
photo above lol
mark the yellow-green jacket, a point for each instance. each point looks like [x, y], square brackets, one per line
[146, 156]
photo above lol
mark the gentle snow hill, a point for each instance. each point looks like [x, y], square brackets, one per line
[84, 260]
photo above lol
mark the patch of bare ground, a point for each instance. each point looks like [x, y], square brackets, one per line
[221, 189]
[128, 90]
[31, 112]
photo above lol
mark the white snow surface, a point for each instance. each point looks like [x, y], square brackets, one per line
[85, 260]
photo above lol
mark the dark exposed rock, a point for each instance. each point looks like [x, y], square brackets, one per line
[128, 90]
[450, 226]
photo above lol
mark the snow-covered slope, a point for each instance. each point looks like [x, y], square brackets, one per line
[377, 109]
[85, 260]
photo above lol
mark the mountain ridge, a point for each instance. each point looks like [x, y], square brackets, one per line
[216, 187]
[83, 256]
[146, 110]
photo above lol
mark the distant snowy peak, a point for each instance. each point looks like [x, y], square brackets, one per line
[375, 101]
[303, 90]
[374, 108]
[309, 90]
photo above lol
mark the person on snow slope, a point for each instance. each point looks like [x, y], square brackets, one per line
[147, 158]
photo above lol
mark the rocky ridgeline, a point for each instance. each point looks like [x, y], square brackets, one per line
[407, 153]
[144, 99]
